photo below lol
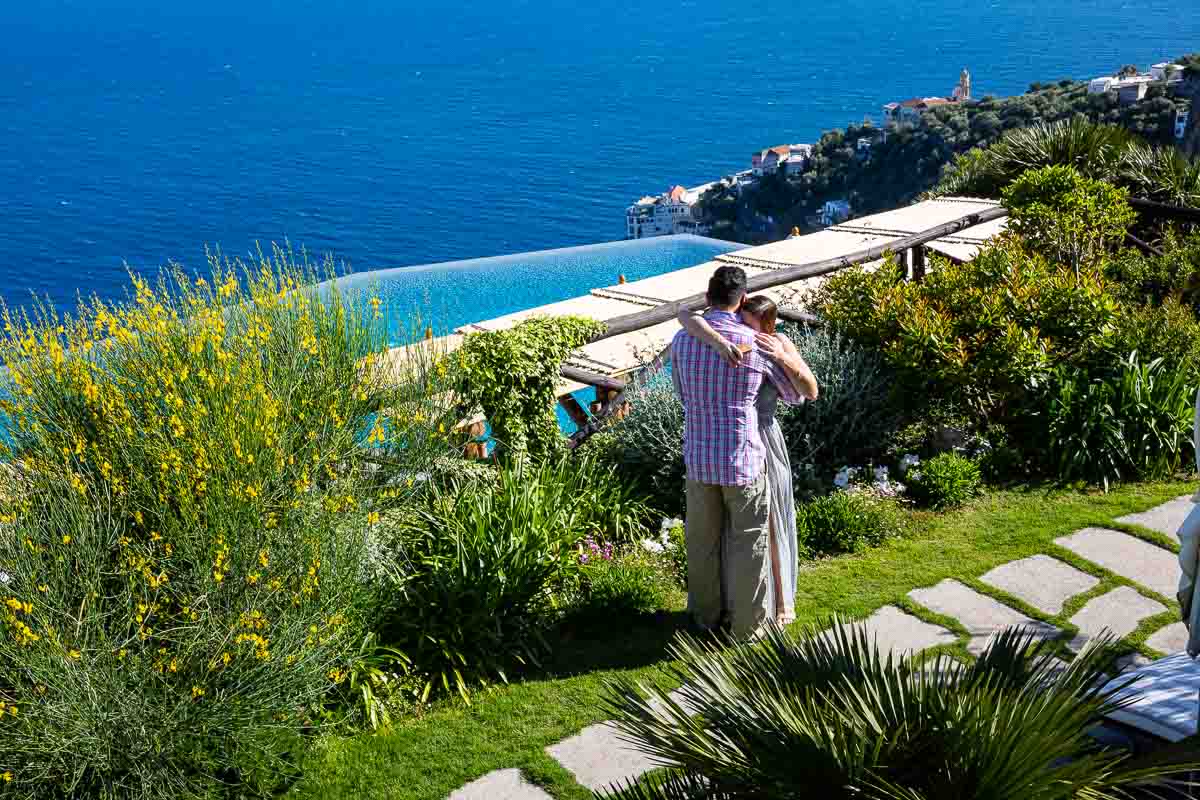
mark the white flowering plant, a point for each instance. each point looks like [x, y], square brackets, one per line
[874, 480]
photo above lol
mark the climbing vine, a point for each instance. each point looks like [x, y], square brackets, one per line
[512, 375]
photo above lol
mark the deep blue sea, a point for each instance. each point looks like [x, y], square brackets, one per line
[392, 132]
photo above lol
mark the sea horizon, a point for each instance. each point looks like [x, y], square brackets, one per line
[394, 134]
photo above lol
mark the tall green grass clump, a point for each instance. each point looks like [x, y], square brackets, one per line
[186, 513]
[483, 566]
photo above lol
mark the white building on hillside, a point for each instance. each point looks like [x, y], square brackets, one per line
[1132, 88]
[1167, 72]
[793, 157]
[672, 212]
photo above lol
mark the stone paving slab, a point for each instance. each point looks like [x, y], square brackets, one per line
[598, 757]
[1132, 661]
[1044, 582]
[503, 784]
[981, 615]
[678, 698]
[1171, 639]
[1119, 612]
[897, 633]
[1128, 556]
[1165, 518]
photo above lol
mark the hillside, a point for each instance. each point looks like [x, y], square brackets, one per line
[903, 162]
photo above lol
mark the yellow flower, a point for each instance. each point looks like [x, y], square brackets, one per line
[197, 691]
[66, 539]
[373, 518]
[74, 654]
[7, 776]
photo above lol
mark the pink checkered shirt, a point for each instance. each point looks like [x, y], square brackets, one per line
[721, 443]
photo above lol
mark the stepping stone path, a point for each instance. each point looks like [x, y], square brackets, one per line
[503, 784]
[598, 757]
[897, 633]
[1044, 582]
[1165, 518]
[981, 615]
[1151, 566]
[1119, 612]
[1168, 640]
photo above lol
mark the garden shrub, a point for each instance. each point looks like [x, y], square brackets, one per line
[1142, 279]
[1169, 331]
[976, 335]
[847, 521]
[1071, 219]
[618, 582]
[185, 541]
[945, 481]
[647, 445]
[854, 415]
[476, 568]
[512, 375]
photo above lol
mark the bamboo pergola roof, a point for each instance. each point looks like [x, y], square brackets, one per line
[616, 356]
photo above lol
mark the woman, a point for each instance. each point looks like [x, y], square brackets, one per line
[759, 313]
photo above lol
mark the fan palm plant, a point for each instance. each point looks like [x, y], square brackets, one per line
[1096, 150]
[827, 716]
[1162, 174]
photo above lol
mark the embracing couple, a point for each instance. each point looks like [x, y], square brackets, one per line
[731, 369]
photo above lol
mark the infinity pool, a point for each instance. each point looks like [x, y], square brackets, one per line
[450, 294]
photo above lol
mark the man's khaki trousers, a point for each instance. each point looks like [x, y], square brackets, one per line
[746, 562]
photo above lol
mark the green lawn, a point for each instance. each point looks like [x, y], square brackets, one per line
[431, 756]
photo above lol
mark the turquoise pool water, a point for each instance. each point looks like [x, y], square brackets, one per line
[447, 295]
[454, 293]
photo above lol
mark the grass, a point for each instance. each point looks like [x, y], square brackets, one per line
[509, 726]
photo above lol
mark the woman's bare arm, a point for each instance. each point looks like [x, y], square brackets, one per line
[783, 351]
[695, 324]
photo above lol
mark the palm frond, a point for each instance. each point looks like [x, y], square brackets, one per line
[669, 785]
[826, 714]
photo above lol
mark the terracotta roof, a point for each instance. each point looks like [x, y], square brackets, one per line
[780, 150]
[677, 193]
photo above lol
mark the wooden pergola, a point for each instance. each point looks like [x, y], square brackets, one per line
[640, 317]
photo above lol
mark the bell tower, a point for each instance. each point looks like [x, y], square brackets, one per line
[963, 90]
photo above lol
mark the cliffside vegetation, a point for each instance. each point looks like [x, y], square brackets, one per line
[909, 160]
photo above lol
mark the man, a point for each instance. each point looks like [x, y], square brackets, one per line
[724, 456]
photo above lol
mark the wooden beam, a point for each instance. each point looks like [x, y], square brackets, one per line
[592, 378]
[1151, 208]
[800, 317]
[644, 319]
[1145, 247]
